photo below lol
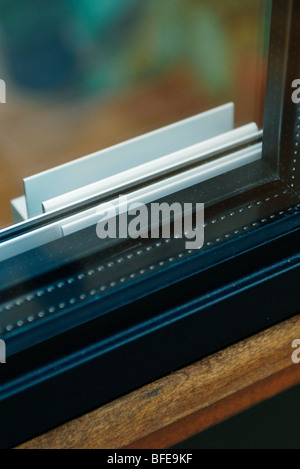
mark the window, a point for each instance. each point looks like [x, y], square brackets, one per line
[81, 77]
[98, 75]
[109, 71]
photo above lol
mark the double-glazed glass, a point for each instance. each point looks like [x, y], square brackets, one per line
[83, 75]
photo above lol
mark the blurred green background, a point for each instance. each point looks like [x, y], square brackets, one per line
[114, 43]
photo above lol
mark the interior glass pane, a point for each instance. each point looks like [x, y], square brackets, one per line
[82, 75]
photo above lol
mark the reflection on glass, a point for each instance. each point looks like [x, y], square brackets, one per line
[82, 75]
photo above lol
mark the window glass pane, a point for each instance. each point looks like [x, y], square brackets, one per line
[82, 75]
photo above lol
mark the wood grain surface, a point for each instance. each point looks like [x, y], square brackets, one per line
[189, 401]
